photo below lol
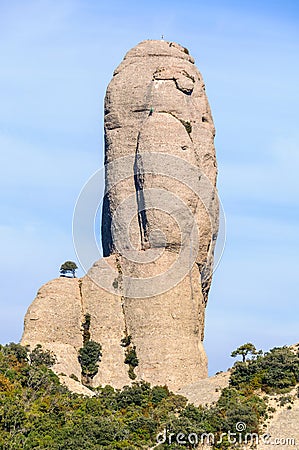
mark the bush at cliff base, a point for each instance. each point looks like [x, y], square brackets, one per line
[36, 411]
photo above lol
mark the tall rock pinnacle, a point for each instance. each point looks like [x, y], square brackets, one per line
[146, 298]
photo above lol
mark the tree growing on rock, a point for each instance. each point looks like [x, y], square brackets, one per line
[89, 357]
[68, 267]
[244, 350]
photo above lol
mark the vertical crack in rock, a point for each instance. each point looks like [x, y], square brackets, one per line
[121, 290]
[167, 327]
[141, 208]
[126, 342]
[81, 296]
[107, 241]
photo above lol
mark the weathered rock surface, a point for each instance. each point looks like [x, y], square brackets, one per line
[54, 321]
[107, 326]
[282, 428]
[159, 226]
[156, 108]
[146, 111]
[206, 391]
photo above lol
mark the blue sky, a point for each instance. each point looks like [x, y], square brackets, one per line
[56, 61]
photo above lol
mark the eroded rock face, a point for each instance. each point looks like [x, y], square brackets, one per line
[158, 121]
[54, 321]
[156, 102]
[159, 225]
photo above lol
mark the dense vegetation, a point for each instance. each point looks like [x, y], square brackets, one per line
[89, 357]
[37, 412]
[275, 371]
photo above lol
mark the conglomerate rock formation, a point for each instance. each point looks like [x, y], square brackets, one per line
[146, 298]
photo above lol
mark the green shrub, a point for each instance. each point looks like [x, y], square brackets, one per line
[38, 357]
[235, 406]
[38, 412]
[159, 393]
[126, 341]
[86, 327]
[131, 373]
[74, 377]
[285, 400]
[139, 394]
[131, 357]
[17, 351]
[276, 371]
[89, 357]
[132, 361]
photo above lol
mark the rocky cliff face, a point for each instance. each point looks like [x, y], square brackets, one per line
[147, 296]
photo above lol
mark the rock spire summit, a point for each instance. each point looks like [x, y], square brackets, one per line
[146, 298]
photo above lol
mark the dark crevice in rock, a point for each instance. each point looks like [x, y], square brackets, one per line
[180, 78]
[206, 280]
[187, 125]
[141, 210]
[81, 296]
[106, 232]
[130, 356]
[107, 240]
[112, 121]
[205, 288]
[85, 328]
[191, 77]
[145, 109]
[120, 287]
[111, 127]
[185, 91]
